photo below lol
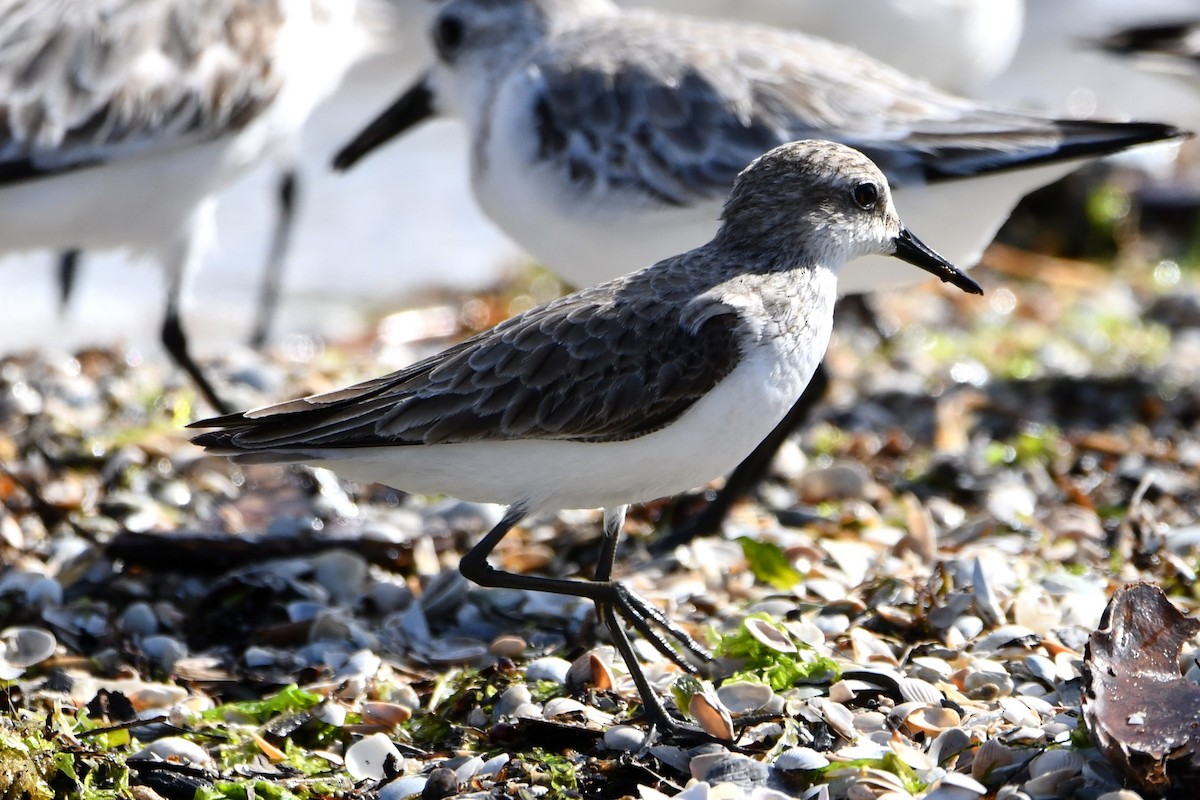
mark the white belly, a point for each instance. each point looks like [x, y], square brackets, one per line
[709, 440]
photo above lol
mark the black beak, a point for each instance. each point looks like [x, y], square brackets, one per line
[911, 249]
[413, 107]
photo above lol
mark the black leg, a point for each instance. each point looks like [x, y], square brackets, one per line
[747, 474]
[175, 340]
[612, 601]
[68, 272]
[614, 522]
[281, 239]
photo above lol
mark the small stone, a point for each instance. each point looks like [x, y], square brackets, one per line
[507, 646]
[138, 619]
[164, 651]
[403, 788]
[549, 668]
[624, 738]
[442, 783]
[845, 480]
[341, 573]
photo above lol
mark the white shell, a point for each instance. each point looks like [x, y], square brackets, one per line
[403, 787]
[1054, 761]
[919, 690]
[174, 749]
[366, 757]
[767, 634]
[25, 646]
[742, 697]
[156, 695]
[560, 706]
[550, 668]
[800, 758]
[992, 754]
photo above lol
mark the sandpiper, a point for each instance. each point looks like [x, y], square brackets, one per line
[603, 140]
[120, 121]
[637, 388]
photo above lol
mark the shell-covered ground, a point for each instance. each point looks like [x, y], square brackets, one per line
[904, 610]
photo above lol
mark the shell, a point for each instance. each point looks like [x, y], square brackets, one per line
[839, 718]
[915, 689]
[591, 669]
[991, 755]
[25, 646]
[933, 719]
[707, 710]
[1054, 761]
[561, 706]
[799, 759]
[174, 749]
[387, 715]
[767, 634]
[367, 757]
[743, 697]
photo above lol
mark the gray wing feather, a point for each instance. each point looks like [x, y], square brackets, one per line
[677, 123]
[86, 81]
[590, 367]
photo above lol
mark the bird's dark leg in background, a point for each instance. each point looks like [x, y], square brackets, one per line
[281, 239]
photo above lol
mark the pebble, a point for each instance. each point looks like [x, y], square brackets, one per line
[844, 480]
[549, 668]
[403, 788]
[164, 651]
[512, 699]
[625, 738]
[138, 619]
[44, 592]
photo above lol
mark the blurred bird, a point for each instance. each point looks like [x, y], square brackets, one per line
[120, 121]
[957, 45]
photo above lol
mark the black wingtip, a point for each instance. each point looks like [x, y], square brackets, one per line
[1163, 38]
[1100, 138]
[222, 421]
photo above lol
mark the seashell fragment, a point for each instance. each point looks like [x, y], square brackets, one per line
[1055, 761]
[767, 634]
[175, 749]
[384, 715]
[713, 717]
[799, 759]
[915, 689]
[743, 697]
[369, 756]
[991, 755]
[22, 647]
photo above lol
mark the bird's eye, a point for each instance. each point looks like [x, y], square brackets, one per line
[448, 35]
[866, 194]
